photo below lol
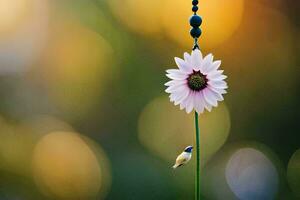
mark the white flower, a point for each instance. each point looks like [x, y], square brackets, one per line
[197, 84]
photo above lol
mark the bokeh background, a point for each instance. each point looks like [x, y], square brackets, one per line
[83, 113]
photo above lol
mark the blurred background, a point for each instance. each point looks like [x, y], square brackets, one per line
[83, 113]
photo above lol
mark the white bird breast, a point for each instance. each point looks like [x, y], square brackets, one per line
[186, 156]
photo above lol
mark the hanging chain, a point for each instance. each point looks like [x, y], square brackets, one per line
[195, 22]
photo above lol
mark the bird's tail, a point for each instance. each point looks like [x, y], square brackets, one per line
[176, 165]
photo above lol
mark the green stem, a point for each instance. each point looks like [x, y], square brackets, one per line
[197, 196]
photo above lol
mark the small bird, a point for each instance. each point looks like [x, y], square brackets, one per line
[184, 157]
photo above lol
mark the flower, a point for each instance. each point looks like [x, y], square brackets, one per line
[197, 84]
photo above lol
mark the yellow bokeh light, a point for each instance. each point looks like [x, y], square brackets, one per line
[13, 13]
[105, 166]
[64, 166]
[220, 20]
[165, 130]
[274, 39]
[141, 17]
[76, 66]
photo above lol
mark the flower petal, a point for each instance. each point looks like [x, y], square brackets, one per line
[183, 65]
[219, 78]
[176, 88]
[199, 102]
[218, 90]
[207, 106]
[215, 74]
[209, 97]
[190, 103]
[214, 66]
[170, 71]
[217, 95]
[205, 65]
[173, 96]
[176, 74]
[184, 102]
[179, 94]
[187, 57]
[196, 59]
[218, 84]
[181, 97]
[175, 82]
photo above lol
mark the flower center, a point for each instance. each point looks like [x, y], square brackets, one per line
[197, 81]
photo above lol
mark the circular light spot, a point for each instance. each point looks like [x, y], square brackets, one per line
[166, 131]
[293, 173]
[242, 170]
[251, 175]
[141, 17]
[75, 68]
[64, 166]
[105, 166]
[220, 21]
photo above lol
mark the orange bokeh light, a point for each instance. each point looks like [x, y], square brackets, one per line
[220, 20]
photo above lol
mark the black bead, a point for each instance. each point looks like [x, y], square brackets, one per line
[195, 2]
[195, 8]
[195, 21]
[195, 32]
